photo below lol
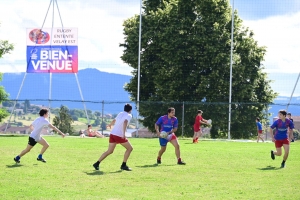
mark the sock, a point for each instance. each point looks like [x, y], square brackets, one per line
[179, 159]
[40, 156]
[18, 157]
[123, 164]
[97, 163]
[283, 162]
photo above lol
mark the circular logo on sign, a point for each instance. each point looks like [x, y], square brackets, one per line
[38, 36]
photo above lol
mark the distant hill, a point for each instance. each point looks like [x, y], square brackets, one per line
[96, 86]
[280, 103]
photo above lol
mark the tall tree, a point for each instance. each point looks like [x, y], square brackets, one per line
[5, 47]
[186, 58]
[63, 120]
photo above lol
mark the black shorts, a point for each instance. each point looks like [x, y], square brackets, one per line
[31, 141]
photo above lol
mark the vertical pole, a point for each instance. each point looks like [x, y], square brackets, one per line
[15, 102]
[139, 70]
[102, 116]
[87, 117]
[182, 125]
[50, 74]
[231, 55]
[287, 106]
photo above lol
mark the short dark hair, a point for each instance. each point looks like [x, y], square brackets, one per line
[89, 125]
[199, 111]
[289, 114]
[127, 107]
[43, 111]
[283, 112]
[257, 118]
[170, 109]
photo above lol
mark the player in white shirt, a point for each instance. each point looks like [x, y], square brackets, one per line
[35, 137]
[117, 136]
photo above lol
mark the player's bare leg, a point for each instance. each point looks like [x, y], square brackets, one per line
[177, 151]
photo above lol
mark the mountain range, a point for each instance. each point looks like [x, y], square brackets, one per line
[96, 87]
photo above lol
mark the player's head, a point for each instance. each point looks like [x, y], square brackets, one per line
[257, 119]
[171, 112]
[127, 108]
[43, 112]
[289, 115]
[199, 112]
[282, 114]
[89, 126]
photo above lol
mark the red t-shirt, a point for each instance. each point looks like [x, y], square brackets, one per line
[197, 120]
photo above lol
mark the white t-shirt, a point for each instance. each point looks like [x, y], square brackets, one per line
[38, 125]
[118, 127]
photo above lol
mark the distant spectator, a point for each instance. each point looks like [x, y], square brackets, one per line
[92, 133]
[259, 130]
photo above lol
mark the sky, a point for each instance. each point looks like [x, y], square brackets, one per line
[275, 23]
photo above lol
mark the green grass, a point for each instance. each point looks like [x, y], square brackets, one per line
[214, 170]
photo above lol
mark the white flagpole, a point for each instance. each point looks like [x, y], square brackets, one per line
[139, 70]
[230, 84]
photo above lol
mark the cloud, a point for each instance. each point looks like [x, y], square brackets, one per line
[281, 36]
[99, 24]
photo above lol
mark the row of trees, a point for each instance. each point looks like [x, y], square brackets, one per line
[186, 58]
[5, 48]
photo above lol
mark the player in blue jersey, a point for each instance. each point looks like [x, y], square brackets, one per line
[283, 135]
[169, 124]
[259, 130]
[289, 116]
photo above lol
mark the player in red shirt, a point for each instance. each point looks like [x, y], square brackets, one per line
[197, 126]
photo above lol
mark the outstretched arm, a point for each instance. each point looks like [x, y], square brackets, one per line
[111, 123]
[57, 130]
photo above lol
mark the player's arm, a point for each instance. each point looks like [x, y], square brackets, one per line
[31, 127]
[125, 127]
[203, 121]
[271, 134]
[57, 130]
[291, 135]
[173, 130]
[112, 123]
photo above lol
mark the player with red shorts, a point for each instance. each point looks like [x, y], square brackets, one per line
[283, 134]
[197, 126]
[117, 136]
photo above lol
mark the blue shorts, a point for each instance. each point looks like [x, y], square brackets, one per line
[163, 142]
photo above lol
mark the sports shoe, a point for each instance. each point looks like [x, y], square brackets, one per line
[181, 163]
[282, 165]
[41, 159]
[96, 166]
[126, 168]
[272, 155]
[158, 161]
[17, 161]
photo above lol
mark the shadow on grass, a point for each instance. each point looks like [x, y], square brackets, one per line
[97, 173]
[94, 173]
[147, 166]
[269, 168]
[14, 166]
[116, 172]
[155, 165]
